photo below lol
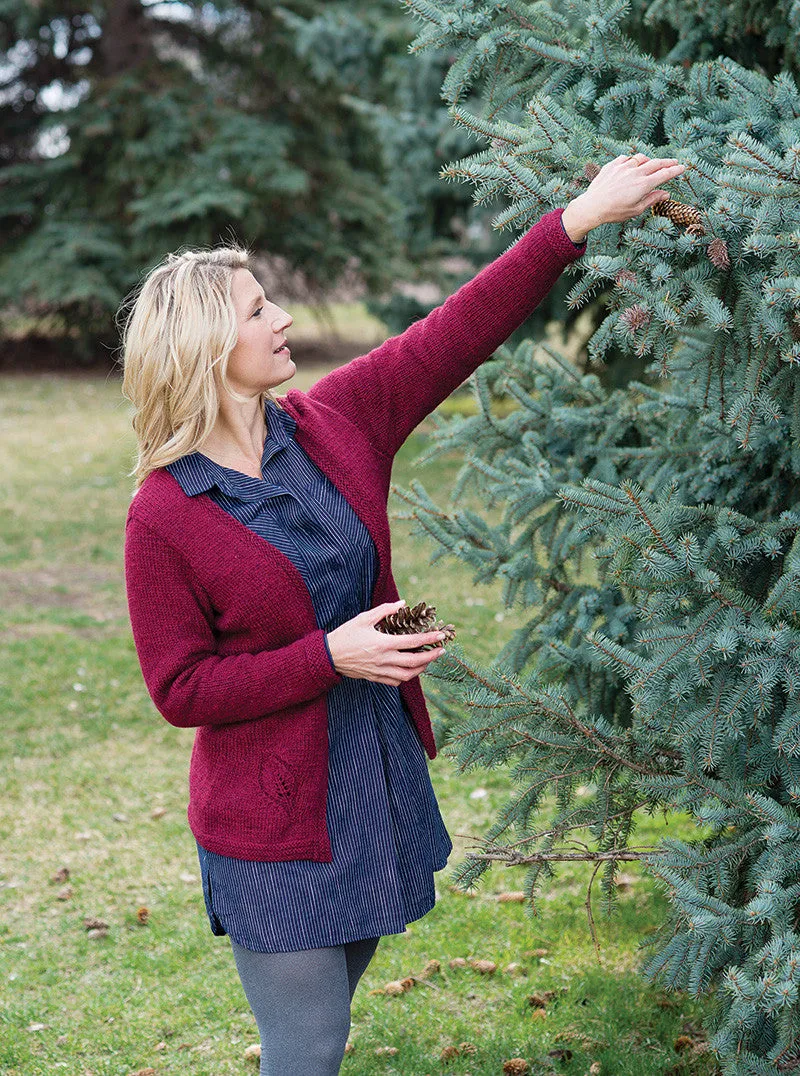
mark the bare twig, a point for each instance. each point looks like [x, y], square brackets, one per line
[516, 860]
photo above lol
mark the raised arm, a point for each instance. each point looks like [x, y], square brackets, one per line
[390, 390]
[189, 683]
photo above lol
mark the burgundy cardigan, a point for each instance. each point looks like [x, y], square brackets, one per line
[222, 621]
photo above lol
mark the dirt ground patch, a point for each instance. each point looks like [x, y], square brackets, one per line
[95, 590]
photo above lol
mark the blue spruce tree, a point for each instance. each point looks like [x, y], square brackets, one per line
[650, 527]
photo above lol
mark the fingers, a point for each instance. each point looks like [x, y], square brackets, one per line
[664, 174]
[372, 616]
[408, 660]
[408, 672]
[650, 165]
[406, 667]
[421, 639]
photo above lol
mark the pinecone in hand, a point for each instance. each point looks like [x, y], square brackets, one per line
[416, 621]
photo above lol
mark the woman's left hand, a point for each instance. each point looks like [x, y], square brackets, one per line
[623, 188]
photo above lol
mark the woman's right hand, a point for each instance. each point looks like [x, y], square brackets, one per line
[359, 650]
[623, 188]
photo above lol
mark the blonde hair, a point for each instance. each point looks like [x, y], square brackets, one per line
[176, 341]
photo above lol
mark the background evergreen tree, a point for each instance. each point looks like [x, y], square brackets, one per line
[305, 129]
[130, 129]
[649, 530]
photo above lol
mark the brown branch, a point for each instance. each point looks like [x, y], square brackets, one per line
[514, 860]
[578, 825]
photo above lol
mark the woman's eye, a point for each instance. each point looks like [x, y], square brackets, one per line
[257, 310]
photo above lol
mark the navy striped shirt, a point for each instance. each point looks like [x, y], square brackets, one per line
[387, 834]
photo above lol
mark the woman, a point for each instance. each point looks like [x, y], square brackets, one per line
[257, 563]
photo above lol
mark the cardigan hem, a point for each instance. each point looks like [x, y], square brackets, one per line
[257, 853]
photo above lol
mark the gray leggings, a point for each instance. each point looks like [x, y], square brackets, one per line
[301, 1002]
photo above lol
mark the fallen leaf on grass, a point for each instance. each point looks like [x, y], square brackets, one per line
[64, 893]
[143, 915]
[515, 969]
[516, 1066]
[577, 1037]
[386, 1050]
[253, 1053]
[561, 1053]
[517, 896]
[450, 1053]
[692, 1038]
[92, 923]
[37, 1027]
[433, 967]
[158, 812]
[541, 998]
[61, 875]
[95, 928]
[485, 967]
[350, 1047]
[144, 1072]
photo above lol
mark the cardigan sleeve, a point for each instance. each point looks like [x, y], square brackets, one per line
[188, 681]
[390, 390]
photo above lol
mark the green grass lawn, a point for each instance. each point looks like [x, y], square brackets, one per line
[94, 781]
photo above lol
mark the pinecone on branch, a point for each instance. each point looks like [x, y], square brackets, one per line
[415, 621]
[624, 276]
[590, 170]
[718, 254]
[635, 317]
[686, 216]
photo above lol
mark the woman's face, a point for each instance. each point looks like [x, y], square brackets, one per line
[258, 361]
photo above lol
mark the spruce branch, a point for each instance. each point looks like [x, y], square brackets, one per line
[540, 706]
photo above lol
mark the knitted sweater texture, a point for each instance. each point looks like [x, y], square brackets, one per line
[223, 624]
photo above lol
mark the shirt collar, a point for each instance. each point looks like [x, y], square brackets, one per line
[197, 473]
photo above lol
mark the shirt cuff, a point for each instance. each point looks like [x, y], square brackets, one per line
[325, 640]
[576, 245]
